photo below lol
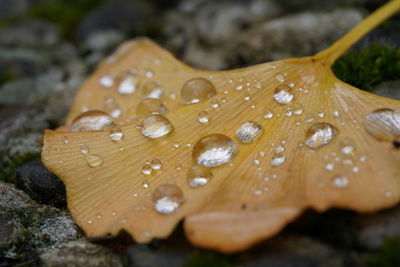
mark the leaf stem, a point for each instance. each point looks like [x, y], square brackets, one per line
[343, 44]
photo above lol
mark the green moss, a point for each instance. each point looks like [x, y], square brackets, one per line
[7, 173]
[65, 13]
[369, 66]
[209, 259]
[388, 256]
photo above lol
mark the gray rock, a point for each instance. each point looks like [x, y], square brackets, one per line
[389, 89]
[303, 34]
[34, 33]
[10, 232]
[43, 227]
[40, 183]
[79, 253]
[125, 16]
[371, 230]
[9, 8]
[291, 251]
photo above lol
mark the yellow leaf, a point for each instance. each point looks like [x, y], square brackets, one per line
[278, 137]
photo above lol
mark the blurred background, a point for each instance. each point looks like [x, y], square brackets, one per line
[48, 48]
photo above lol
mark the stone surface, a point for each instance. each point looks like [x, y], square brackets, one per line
[40, 183]
[371, 230]
[79, 253]
[44, 227]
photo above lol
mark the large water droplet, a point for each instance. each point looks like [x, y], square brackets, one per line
[283, 94]
[151, 106]
[93, 120]
[116, 134]
[383, 124]
[214, 150]
[320, 134]
[128, 85]
[198, 175]
[156, 164]
[152, 90]
[340, 181]
[155, 126]
[197, 90]
[249, 131]
[277, 160]
[94, 160]
[167, 198]
[147, 169]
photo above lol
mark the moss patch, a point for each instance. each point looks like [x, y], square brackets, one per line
[66, 13]
[369, 66]
[388, 256]
[209, 259]
[7, 173]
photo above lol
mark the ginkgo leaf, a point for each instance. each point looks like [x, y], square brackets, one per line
[256, 147]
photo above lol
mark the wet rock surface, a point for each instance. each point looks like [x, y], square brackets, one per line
[48, 47]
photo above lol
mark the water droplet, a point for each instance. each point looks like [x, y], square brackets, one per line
[214, 103]
[214, 150]
[268, 114]
[246, 97]
[147, 169]
[152, 89]
[149, 74]
[249, 131]
[112, 107]
[128, 84]
[340, 181]
[239, 87]
[65, 141]
[84, 149]
[383, 124]
[297, 109]
[94, 160]
[93, 120]
[107, 80]
[283, 95]
[321, 114]
[145, 184]
[320, 134]
[167, 198]
[277, 160]
[203, 117]
[329, 166]
[151, 106]
[156, 164]
[198, 175]
[309, 117]
[355, 169]
[197, 90]
[336, 113]
[280, 77]
[279, 149]
[155, 126]
[116, 134]
[256, 161]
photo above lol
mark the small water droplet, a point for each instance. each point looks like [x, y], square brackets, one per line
[128, 84]
[320, 134]
[249, 131]
[336, 113]
[147, 169]
[256, 161]
[268, 114]
[112, 107]
[215, 103]
[197, 90]
[277, 160]
[214, 150]
[116, 134]
[355, 169]
[145, 184]
[239, 87]
[94, 160]
[198, 175]
[309, 117]
[155, 164]
[149, 74]
[279, 149]
[84, 149]
[93, 120]
[383, 125]
[321, 114]
[155, 126]
[283, 95]
[203, 117]
[246, 97]
[167, 198]
[297, 109]
[65, 141]
[280, 77]
[152, 89]
[151, 106]
[107, 80]
[90, 221]
[329, 166]
[340, 181]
